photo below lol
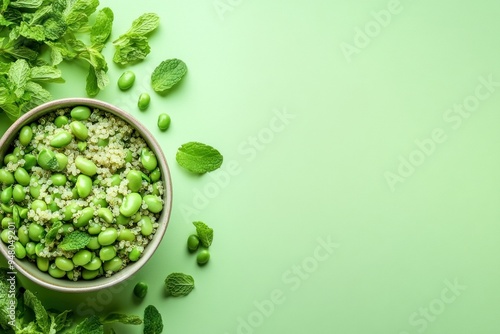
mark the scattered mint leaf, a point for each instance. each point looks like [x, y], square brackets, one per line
[168, 74]
[46, 74]
[128, 319]
[76, 14]
[205, 233]
[41, 316]
[91, 325]
[25, 4]
[60, 321]
[74, 241]
[179, 284]
[198, 157]
[100, 31]
[52, 233]
[153, 323]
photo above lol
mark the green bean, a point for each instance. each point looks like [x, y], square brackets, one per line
[36, 232]
[61, 121]
[82, 145]
[6, 195]
[19, 250]
[86, 166]
[55, 272]
[126, 80]
[29, 161]
[146, 226]
[155, 175]
[38, 204]
[122, 220]
[79, 130]
[106, 253]
[94, 264]
[61, 139]
[80, 113]
[134, 254]
[86, 215]
[128, 156]
[154, 203]
[6, 177]
[23, 235]
[134, 180]
[89, 274]
[25, 135]
[47, 159]
[113, 265]
[58, 179]
[82, 257]
[10, 158]
[126, 234]
[102, 142]
[70, 210]
[140, 289]
[148, 159]
[83, 185]
[6, 208]
[193, 242]
[203, 257]
[93, 243]
[64, 263]
[23, 212]
[100, 202]
[6, 221]
[6, 235]
[22, 177]
[35, 191]
[115, 180]
[163, 121]
[18, 193]
[137, 217]
[105, 214]
[131, 204]
[108, 236]
[30, 249]
[42, 263]
[62, 162]
[94, 228]
[143, 101]
[39, 247]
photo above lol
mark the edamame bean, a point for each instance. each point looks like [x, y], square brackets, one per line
[100, 202]
[62, 162]
[61, 121]
[29, 161]
[18, 193]
[30, 249]
[146, 226]
[143, 101]
[108, 236]
[203, 257]
[105, 214]
[80, 113]
[22, 177]
[6, 177]
[107, 253]
[39, 247]
[89, 274]
[140, 289]
[94, 264]
[6, 208]
[23, 235]
[47, 159]
[193, 242]
[122, 220]
[82, 257]
[64, 263]
[113, 265]
[128, 156]
[131, 204]
[19, 250]
[6, 221]
[126, 80]
[55, 272]
[115, 180]
[23, 212]
[126, 235]
[137, 217]
[70, 210]
[79, 130]
[25, 135]
[86, 215]
[6, 195]
[58, 179]
[102, 142]
[86, 166]
[83, 185]
[93, 243]
[155, 175]
[6, 235]
[94, 228]
[36, 232]
[42, 263]
[154, 203]
[10, 158]
[35, 191]
[148, 159]
[134, 254]
[163, 122]
[134, 180]
[82, 145]
[61, 139]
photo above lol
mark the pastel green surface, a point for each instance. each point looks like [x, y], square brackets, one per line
[312, 116]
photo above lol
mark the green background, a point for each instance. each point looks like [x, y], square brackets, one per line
[353, 108]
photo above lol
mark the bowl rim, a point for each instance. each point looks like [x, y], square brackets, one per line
[29, 269]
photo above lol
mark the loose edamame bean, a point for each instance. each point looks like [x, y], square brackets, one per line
[61, 121]
[39, 247]
[36, 232]
[122, 220]
[6, 235]
[82, 257]
[82, 145]
[58, 179]
[126, 80]
[163, 122]
[134, 254]
[131, 204]
[105, 214]
[30, 249]
[107, 253]
[93, 243]
[86, 166]
[61, 139]
[64, 263]
[148, 159]
[203, 257]
[113, 265]
[115, 180]
[108, 236]
[70, 210]
[18, 193]
[29, 161]
[155, 175]
[154, 203]
[83, 185]
[128, 156]
[79, 130]
[94, 228]
[94, 264]
[42, 263]
[6, 177]
[19, 250]
[10, 158]
[23, 235]
[100, 202]
[134, 180]
[22, 177]
[80, 113]
[143, 101]
[62, 162]
[89, 274]
[102, 142]
[86, 215]
[146, 226]
[25, 135]
[47, 159]
[193, 242]
[6, 195]
[126, 234]
[140, 289]
[55, 272]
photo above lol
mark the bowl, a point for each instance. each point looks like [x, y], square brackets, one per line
[29, 269]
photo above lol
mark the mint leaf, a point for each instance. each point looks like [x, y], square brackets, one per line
[26, 4]
[91, 325]
[144, 24]
[52, 233]
[153, 323]
[41, 316]
[60, 321]
[77, 13]
[100, 31]
[46, 74]
[129, 319]
[179, 284]
[198, 157]
[205, 233]
[92, 87]
[74, 241]
[168, 74]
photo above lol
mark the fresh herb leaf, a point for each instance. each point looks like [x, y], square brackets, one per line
[128, 319]
[205, 233]
[46, 74]
[60, 321]
[91, 325]
[153, 323]
[144, 24]
[74, 241]
[179, 284]
[92, 87]
[198, 157]
[77, 13]
[52, 233]
[100, 31]
[41, 316]
[26, 4]
[168, 74]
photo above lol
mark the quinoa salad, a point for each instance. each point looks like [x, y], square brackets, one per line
[81, 194]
